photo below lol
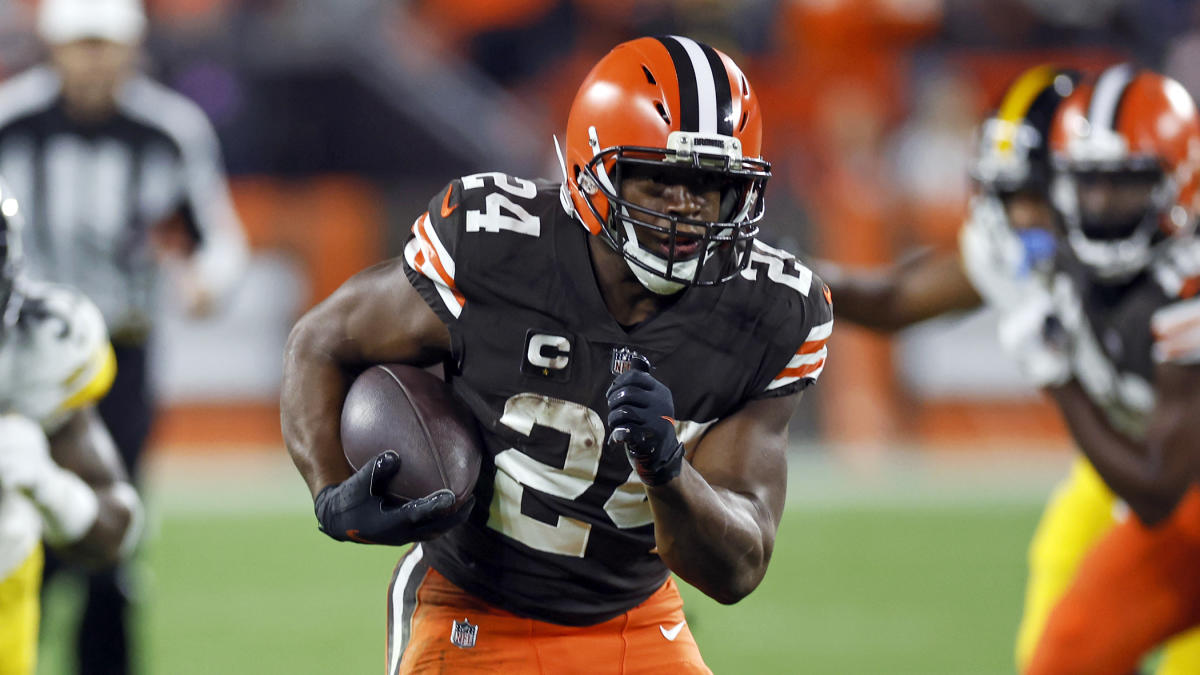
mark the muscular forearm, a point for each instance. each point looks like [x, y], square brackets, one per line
[887, 300]
[711, 537]
[313, 389]
[1124, 464]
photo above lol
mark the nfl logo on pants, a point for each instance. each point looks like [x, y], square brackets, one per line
[463, 634]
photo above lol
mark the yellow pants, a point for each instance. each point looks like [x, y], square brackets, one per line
[1080, 511]
[19, 612]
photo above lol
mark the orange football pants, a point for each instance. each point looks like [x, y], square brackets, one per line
[427, 614]
[1136, 588]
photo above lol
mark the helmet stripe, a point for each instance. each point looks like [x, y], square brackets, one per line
[722, 88]
[706, 90]
[1024, 92]
[689, 113]
[1110, 89]
[705, 93]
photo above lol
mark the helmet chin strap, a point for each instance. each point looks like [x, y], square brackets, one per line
[653, 282]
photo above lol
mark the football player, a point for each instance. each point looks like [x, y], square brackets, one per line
[1006, 244]
[1118, 333]
[1005, 238]
[596, 486]
[61, 478]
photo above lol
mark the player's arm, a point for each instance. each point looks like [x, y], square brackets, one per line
[715, 524]
[715, 513]
[1151, 475]
[920, 287]
[84, 447]
[75, 480]
[217, 253]
[375, 317]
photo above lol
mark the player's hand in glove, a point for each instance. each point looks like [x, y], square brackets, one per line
[358, 509]
[24, 453]
[641, 415]
[68, 505]
[1036, 338]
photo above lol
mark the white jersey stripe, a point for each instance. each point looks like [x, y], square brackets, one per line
[784, 381]
[706, 88]
[396, 639]
[442, 254]
[808, 359]
[430, 272]
[820, 332]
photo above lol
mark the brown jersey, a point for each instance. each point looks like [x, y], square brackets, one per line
[562, 530]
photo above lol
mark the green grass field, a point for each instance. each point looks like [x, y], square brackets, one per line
[878, 581]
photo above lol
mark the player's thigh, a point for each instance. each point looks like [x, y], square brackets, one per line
[19, 615]
[435, 627]
[658, 637]
[1078, 513]
[1136, 588]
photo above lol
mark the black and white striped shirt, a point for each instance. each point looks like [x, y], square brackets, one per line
[93, 194]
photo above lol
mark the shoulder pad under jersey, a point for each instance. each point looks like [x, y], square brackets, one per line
[476, 228]
[57, 357]
[797, 320]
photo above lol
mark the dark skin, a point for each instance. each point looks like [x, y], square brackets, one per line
[1152, 475]
[715, 523]
[922, 286]
[84, 447]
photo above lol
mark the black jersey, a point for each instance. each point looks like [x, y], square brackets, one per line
[1130, 327]
[562, 530]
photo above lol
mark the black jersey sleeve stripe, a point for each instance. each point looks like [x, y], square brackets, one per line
[689, 112]
[723, 91]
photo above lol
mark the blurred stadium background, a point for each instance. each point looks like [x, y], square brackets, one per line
[920, 463]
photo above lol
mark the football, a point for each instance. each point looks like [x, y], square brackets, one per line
[411, 411]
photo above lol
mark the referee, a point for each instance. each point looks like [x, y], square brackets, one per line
[122, 182]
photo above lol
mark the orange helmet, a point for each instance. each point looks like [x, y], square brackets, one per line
[1131, 133]
[682, 106]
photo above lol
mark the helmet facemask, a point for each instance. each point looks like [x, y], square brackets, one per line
[1113, 213]
[1011, 173]
[669, 251]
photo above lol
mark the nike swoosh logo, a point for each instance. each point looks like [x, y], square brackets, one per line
[353, 535]
[672, 632]
[446, 208]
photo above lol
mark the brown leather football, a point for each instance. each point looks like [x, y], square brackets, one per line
[406, 409]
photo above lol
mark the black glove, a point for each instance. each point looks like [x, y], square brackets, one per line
[358, 509]
[640, 414]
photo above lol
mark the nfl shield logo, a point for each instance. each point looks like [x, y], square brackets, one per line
[624, 359]
[463, 634]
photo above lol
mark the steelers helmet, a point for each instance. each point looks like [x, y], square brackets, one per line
[1134, 135]
[674, 107]
[1014, 143]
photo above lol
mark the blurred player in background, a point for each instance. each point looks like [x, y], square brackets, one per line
[1007, 234]
[120, 179]
[529, 291]
[60, 475]
[1118, 336]
[1007, 247]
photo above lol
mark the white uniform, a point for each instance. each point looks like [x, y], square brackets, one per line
[56, 359]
